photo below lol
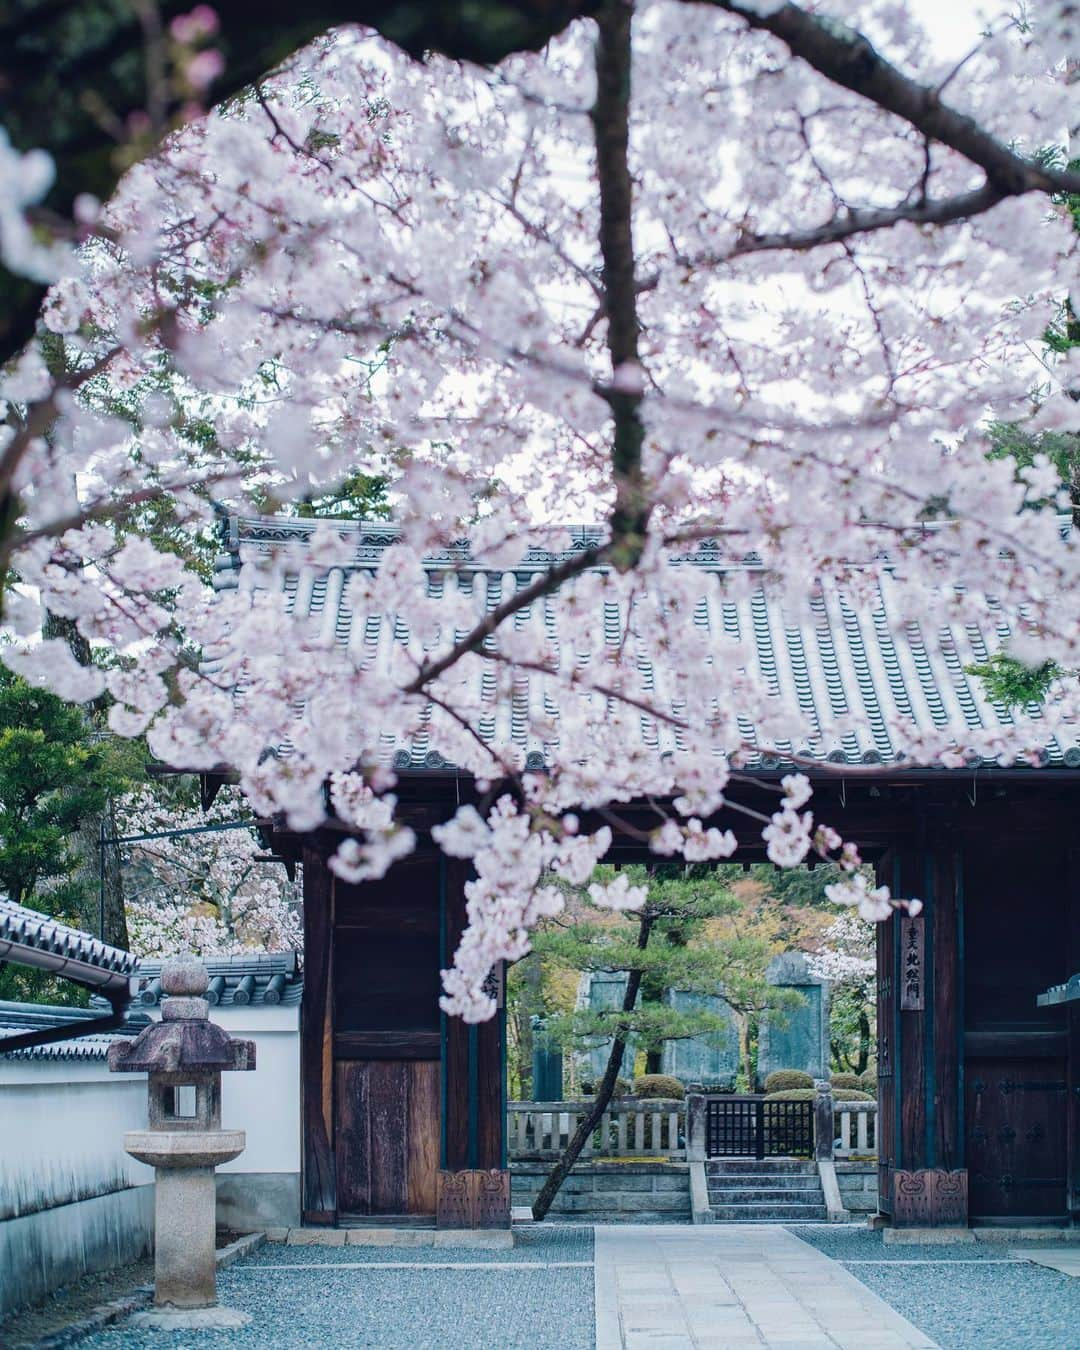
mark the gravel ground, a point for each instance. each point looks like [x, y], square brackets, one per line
[969, 1296]
[541, 1305]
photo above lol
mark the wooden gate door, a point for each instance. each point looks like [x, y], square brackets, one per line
[387, 1043]
[387, 1136]
[1016, 1138]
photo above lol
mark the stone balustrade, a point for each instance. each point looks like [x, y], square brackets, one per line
[856, 1124]
[647, 1128]
[654, 1129]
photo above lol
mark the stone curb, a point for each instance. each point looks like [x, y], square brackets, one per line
[107, 1313]
[104, 1315]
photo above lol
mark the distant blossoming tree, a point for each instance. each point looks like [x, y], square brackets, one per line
[741, 272]
[204, 892]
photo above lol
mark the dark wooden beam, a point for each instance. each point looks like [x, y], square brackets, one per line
[318, 1171]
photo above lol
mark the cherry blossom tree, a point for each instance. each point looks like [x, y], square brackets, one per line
[738, 275]
[195, 882]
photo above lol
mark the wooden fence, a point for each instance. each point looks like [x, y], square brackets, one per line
[628, 1128]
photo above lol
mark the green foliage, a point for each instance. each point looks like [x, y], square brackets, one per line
[868, 1081]
[1011, 683]
[808, 1094]
[694, 934]
[781, 1080]
[846, 1080]
[55, 773]
[659, 1085]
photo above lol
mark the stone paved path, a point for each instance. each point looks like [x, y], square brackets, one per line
[721, 1287]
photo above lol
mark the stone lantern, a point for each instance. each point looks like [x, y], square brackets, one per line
[184, 1055]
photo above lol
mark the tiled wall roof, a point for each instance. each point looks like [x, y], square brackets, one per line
[268, 978]
[19, 1017]
[34, 939]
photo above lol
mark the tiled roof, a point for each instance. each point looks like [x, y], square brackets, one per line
[1069, 992]
[269, 978]
[19, 1017]
[30, 938]
[843, 661]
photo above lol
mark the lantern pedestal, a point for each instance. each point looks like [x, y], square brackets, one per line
[185, 1269]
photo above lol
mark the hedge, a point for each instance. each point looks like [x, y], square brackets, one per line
[659, 1085]
[808, 1094]
[784, 1080]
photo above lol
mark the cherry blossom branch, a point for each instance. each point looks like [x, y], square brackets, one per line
[473, 641]
[847, 58]
[844, 225]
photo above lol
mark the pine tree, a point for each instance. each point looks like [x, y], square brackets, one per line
[55, 774]
[693, 933]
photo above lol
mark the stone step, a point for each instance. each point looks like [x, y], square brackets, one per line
[761, 1166]
[769, 1213]
[780, 1181]
[762, 1195]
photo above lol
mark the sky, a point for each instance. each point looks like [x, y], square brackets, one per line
[954, 25]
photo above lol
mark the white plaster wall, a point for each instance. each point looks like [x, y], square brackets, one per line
[265, 1102]
[62, 1124]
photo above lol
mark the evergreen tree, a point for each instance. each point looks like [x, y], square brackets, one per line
[55, 774]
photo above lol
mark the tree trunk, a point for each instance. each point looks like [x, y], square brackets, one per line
[604, 1090]
[864, 1042]
[744, 1051]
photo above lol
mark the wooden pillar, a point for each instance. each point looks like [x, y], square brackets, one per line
[887, 1034]
[318, 1172]
[1072, 1076]
[474, 1182]
[928, 1181]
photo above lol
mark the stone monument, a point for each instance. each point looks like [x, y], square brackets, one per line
[797, 1037]
[711, 1060]
[184, 1055]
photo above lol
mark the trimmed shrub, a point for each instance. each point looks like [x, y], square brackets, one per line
[659, 1085]
[786, 1080]
[847, 1080]
[808, 1094]
[868, 1081]
[622, 1088]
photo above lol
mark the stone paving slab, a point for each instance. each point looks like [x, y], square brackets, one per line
[743, 1285]
[1065, 1259]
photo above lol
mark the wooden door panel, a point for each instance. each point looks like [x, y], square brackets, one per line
[387, 1136]
[1016, 1138]
[389, 1124]
[352, 1143]
[422, 1163]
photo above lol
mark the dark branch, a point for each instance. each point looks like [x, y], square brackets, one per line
[611, 131]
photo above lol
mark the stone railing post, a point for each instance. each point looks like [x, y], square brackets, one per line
[824, 1119]
[824, 1139]
[695, 1127]
[695, 1156]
